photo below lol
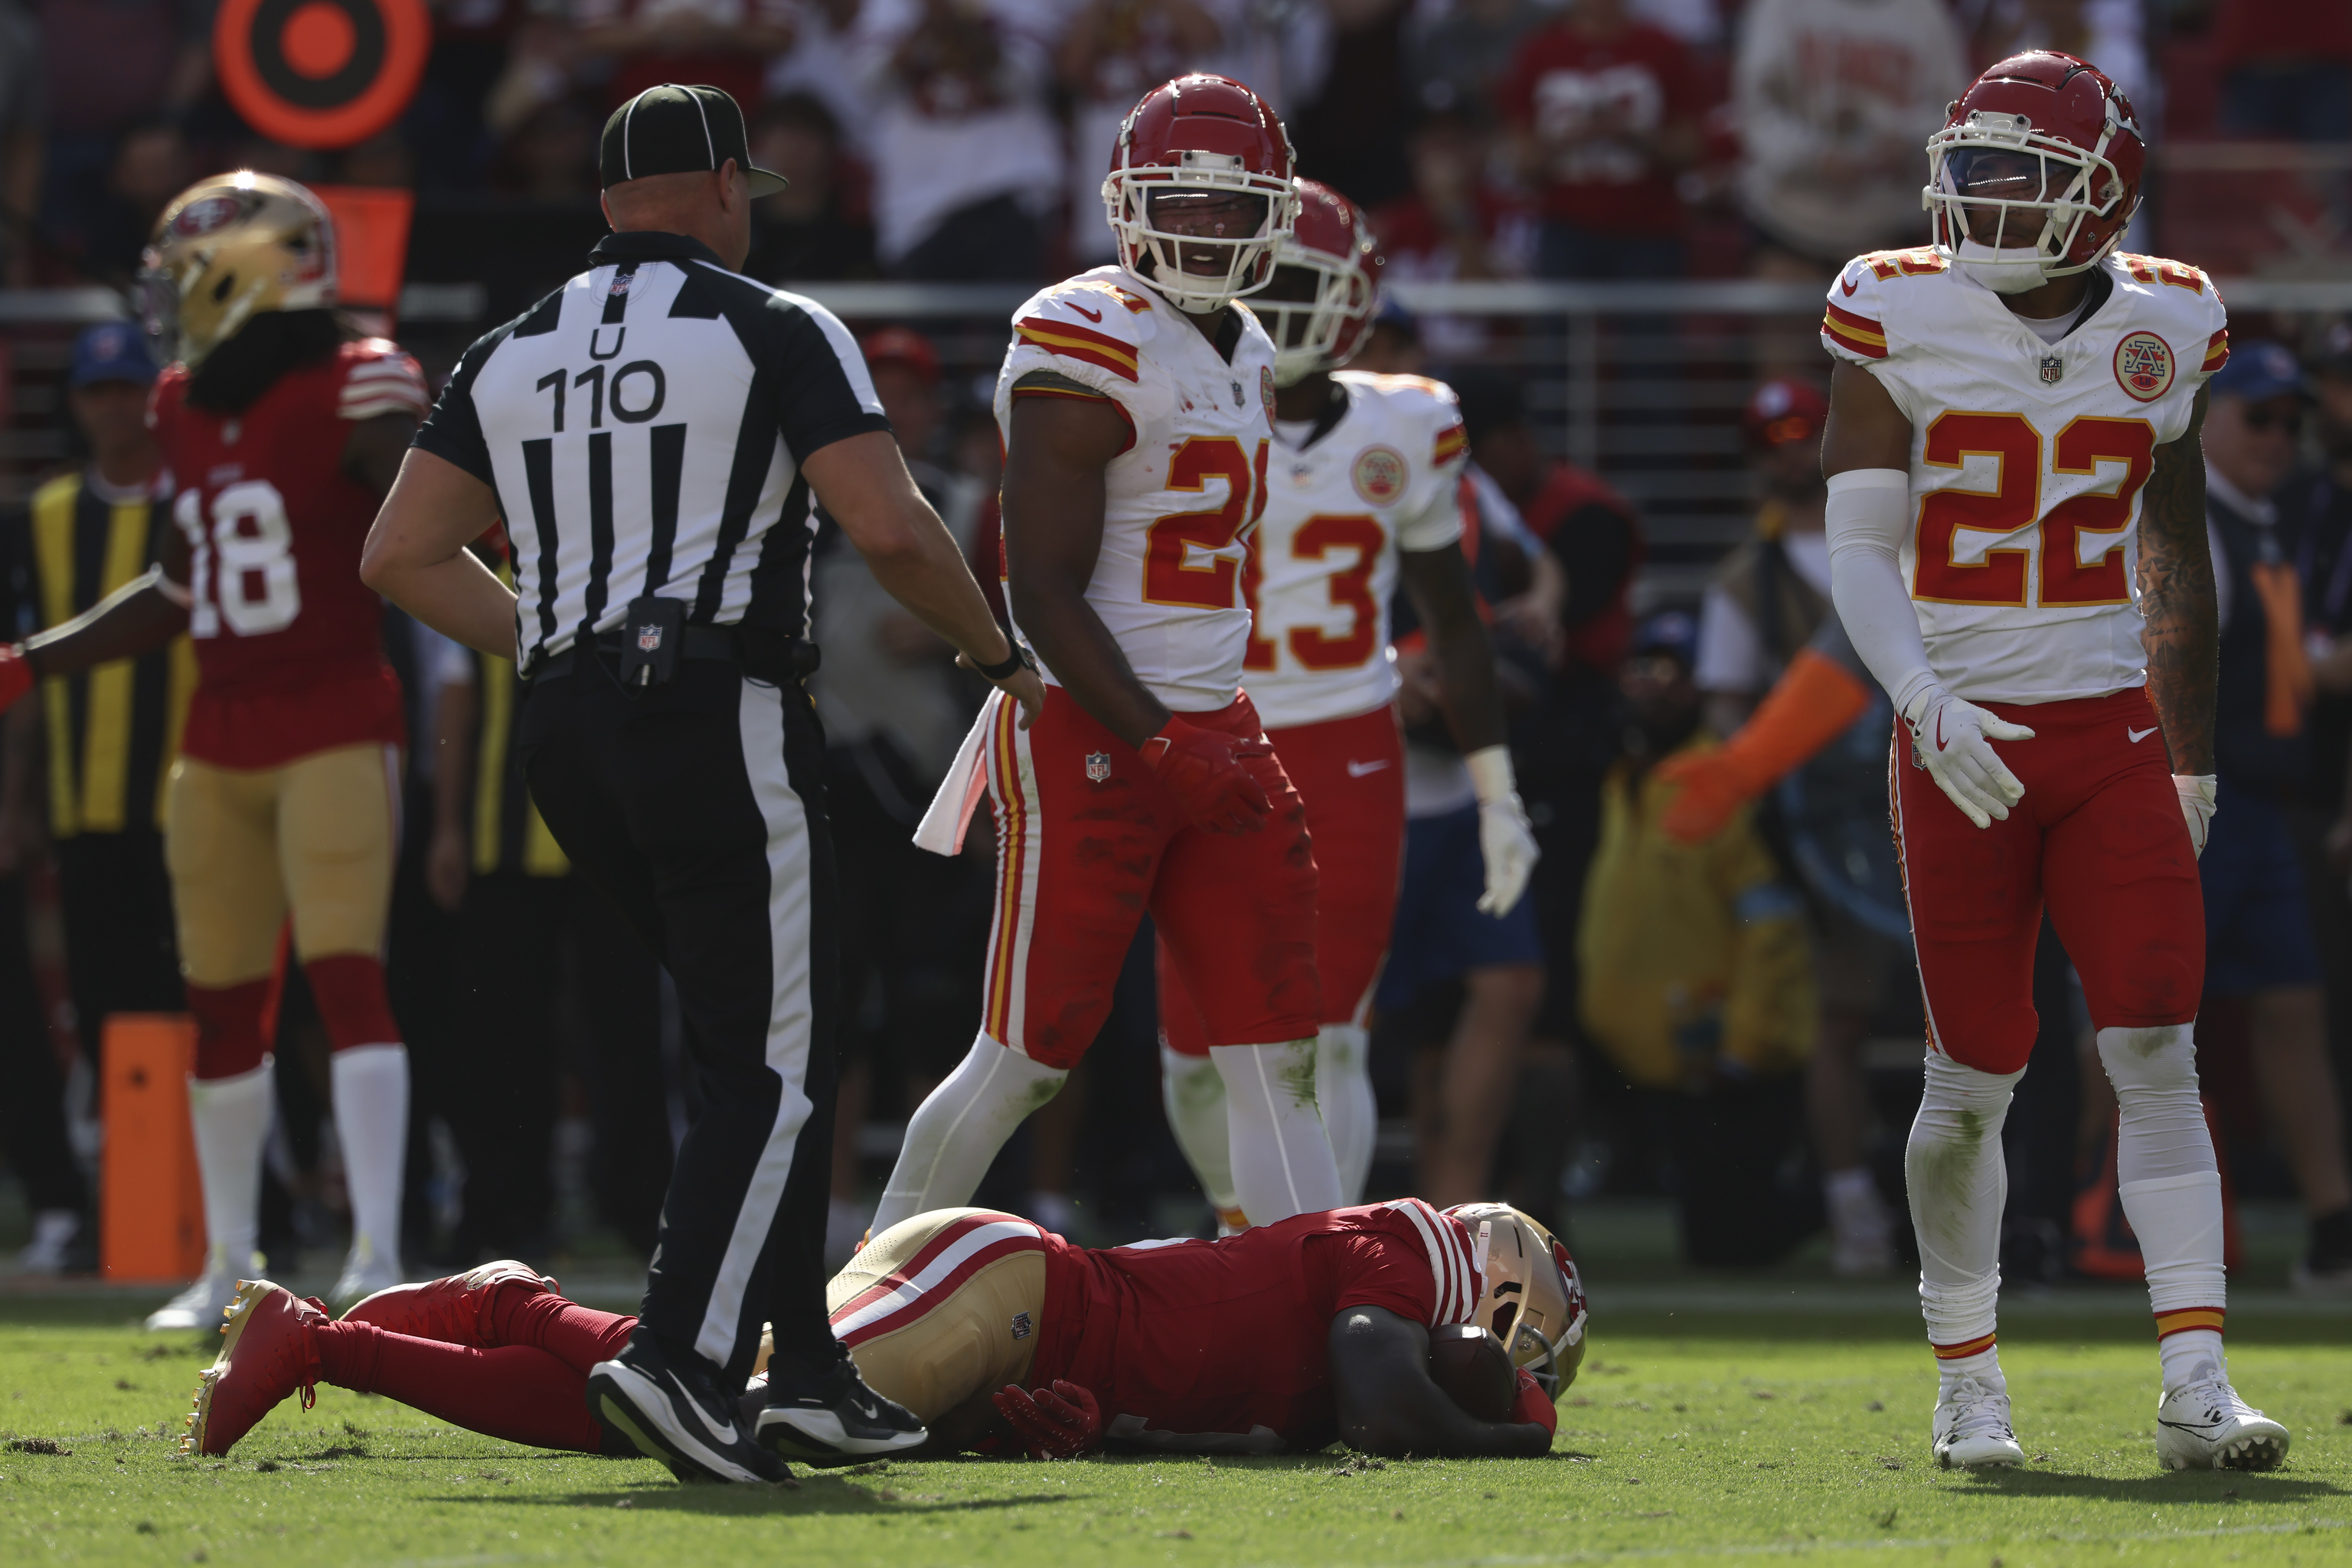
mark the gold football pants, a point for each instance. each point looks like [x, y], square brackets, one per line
[315, 836]
[962, 1316]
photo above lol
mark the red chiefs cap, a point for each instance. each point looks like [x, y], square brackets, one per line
[906, 346]
[1781, 411]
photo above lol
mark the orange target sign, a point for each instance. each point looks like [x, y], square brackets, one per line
[320, 73]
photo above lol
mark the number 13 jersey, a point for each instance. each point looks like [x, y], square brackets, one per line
[290, 649]
[1323, 564]
[2029, 459]
[1182, 497]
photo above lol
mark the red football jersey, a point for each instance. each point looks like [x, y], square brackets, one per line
[1220, 1346]
[290, 652]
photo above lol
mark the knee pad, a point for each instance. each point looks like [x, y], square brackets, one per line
[1953, 1092]
[2160, 1058]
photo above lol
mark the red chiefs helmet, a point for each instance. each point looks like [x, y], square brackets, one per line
[1199, 142]
[2036, 172]
[1326, 286]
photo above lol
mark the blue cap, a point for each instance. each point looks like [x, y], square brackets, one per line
[2258, 370]
[111, 351]
[1669, 632]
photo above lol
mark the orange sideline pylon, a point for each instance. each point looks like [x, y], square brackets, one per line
[152, 1224]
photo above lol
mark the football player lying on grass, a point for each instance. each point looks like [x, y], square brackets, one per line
[1394, 1327]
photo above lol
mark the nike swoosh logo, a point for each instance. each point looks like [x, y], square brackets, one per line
[2140, 735]
[1939, 728]
[722, 1432]
[1090, 315]
[1849, 287]
[1358, 770]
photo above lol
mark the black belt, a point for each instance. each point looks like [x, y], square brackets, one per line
[717, 645]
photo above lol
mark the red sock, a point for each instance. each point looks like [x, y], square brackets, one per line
[519, 1393]
[575, 1335]
[231, 1033]
[349, 989]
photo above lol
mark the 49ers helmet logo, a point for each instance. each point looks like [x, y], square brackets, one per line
[1380, 474]
[2144, 366]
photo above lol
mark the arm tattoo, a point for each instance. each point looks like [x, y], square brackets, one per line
[2176, 598]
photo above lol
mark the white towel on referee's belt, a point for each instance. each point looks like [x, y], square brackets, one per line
[942, 829]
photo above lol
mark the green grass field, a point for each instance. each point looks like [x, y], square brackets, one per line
[1691, 1435]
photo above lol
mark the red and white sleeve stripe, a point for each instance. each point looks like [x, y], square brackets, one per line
[1450, 1264]
[393, 384]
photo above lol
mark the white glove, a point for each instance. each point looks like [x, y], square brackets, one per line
[1949, 738]
[1504, 839]
[2196, 804]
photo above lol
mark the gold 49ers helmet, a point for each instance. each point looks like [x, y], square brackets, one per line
[228, 249]
[1530, 1296]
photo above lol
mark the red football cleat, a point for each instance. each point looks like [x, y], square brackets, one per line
[455, 1310]
[269, 1355]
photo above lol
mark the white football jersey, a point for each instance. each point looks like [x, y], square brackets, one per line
[1180, 500]
[2027, 459]
[1323, 563]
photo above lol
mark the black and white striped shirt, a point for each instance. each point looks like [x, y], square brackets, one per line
[644, 427]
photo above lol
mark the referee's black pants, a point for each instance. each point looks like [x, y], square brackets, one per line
[698, 806]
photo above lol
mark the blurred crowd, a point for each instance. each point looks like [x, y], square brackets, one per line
[1707, 1020]
[966, 138]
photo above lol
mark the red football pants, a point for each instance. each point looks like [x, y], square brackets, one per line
[1350, 772]
[1086, 840]
[2099, 835]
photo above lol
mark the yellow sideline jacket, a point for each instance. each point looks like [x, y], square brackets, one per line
[1695, 959]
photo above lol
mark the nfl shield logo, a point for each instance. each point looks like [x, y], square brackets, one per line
[648, 638]
[1098, 765]
[1022, 1327]
[2053, 367]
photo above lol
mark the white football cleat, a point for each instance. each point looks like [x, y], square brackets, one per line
[204, 1304]
[2206, 1426]
[1972, 1428]
[365, 1272]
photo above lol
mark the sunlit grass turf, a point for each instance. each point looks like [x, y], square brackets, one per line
[1689, 1436]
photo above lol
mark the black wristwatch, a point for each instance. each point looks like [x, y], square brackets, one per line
[1007, 669]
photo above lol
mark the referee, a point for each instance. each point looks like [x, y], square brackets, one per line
[656, 434]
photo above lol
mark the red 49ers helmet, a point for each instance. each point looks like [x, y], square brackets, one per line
[1326, 286]
[1200, 141]
[2036, 172]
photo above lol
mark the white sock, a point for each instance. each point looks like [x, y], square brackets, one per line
[371, 1090]
[1282, 1157]
[1958, 1183]
[231, 1116]
[1343, 1089]
[955, 1133]
[1851, 1198]
[2191, 1355]
[1984, 1366]
[1194, 1097]
[2166, 1177]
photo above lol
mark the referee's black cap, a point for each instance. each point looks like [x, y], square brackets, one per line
[674, 129]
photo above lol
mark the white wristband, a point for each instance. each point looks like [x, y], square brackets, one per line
[175, 592]
[1490, 772]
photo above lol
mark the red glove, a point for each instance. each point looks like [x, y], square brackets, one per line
[1534, 1405]
[1208, 775]
[17, 676]
[1057, 1423]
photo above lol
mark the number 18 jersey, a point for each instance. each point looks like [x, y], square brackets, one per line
[289, 651]
[1181, 500]
[2027, 459]
[1323, 564]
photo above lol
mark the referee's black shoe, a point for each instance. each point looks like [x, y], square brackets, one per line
[672, 1410]
[831, 1417]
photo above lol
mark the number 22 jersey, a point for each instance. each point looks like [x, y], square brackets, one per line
[1180, 498]
[288, 641]
[2029, 459]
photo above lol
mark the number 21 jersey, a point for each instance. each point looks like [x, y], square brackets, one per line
[288, 641]
[1180, 498]
[2029, 459]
